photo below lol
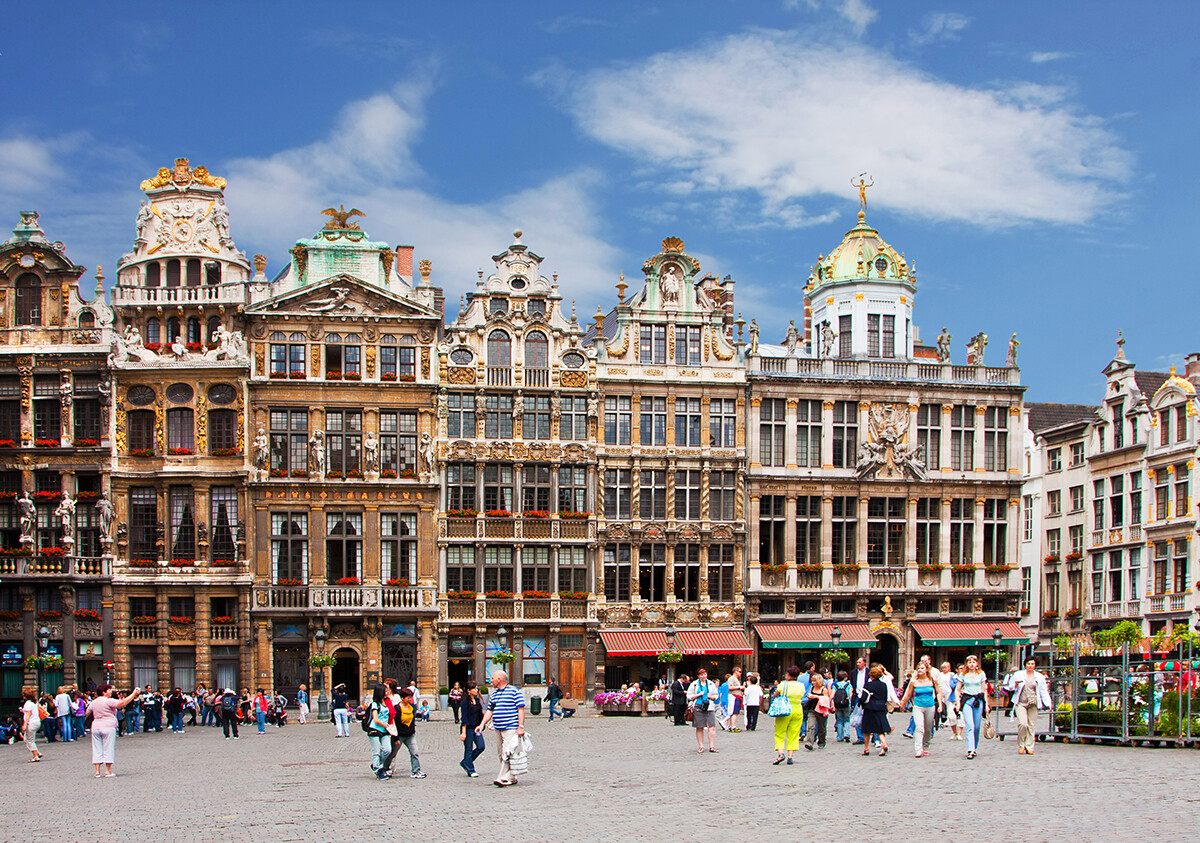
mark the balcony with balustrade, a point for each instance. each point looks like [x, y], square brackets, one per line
[1166, 603]
[343, 599]
[836, 369]
[551, 528]
[58, 567]
[500, 609]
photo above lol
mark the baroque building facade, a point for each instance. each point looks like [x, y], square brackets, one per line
[55, 562]
[671, 474]
[516, 429]
[882, 479]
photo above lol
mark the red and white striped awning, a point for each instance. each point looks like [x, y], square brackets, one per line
[813, 636]
[691, 642]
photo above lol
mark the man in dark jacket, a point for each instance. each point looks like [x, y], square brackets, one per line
[553, 695]
[679, 699]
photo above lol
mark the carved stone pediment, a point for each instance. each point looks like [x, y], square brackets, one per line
[339, 296]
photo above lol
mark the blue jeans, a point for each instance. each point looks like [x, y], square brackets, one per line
[77, 729]
[973, 716]
[381, 745]
[177, 722]
[551, 704]
[912, 726]
[472, 747]
[134, 719]
[261, 717]
[841, 722]
[341, 717]
[64, 724]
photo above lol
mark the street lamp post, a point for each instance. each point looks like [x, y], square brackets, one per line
[322, 699]
[997, 637]
[836, 638]
[670, 647]
[44, 641]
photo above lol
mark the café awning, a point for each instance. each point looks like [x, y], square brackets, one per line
[690, 642]
[969, 633]
[812, 636]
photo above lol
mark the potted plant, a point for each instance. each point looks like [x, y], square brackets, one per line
[408, 378]
[1074, 613]
[321, 660]
[180, 452]
[143, 620]
[387, 474]
[141, 452]
[142, 563]
[498, 513]
[443, 698]
[297, 376]
[572, 595]
[1051, 558]
[333, 376]
[182, 620]
[536, 595]
[222, 620]
[1050, 614]
[288, 581]
[503, 657]
[670, 656]
[836, 656]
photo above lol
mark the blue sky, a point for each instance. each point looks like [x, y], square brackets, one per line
[1031, 158]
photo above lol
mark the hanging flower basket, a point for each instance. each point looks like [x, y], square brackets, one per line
[836, 656]
[670, 656]
[321, 660]
[52, 662]
[503, 657]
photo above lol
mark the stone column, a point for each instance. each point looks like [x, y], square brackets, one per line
[1015, 445]
[789, 437]
[789, 529]
[753, 528]
[860, 550]
[752, 433]
[910, 536]
[204, 641]
[977, 549]
[67, 595]
[162, 605]
[264, 666]
[552, 653]
[826, 530]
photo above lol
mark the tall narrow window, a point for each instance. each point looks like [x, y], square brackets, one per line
[194, 336]
[720, 573]
[929, 531]
[962, 531]
[995, 439]
[343, 546]
[289, 442]
[722, 422]
[1098, 504]
[498, 418]
[535, 487]
[772, 431]
[398, 547]
[1118, 414]
[498, 488]
[616, 494]
[1116, 500]
[995, 531]
[616, 572]
[460, 486]
[653, 417]
[497, 568]
[47, 409]
[929, 434]
[143, 520]
[962, 438]
[872, 334]
[289, 547]
[29, 299]
[808, 530]
[1182, 496]
[1135, 498]
[460, 423]
[772, 530]
[537, 359]
[687, 572]
[1181, 423]
[343, 442]
[652, 572]
[844, 530]
[181, 431]
[572, 488]
[573, 419]
[687, 345]
[1162, 495]
[183, 523]
[222, 432]
[499, 359]
[886, 520]
[687, 422]
[535, 422]
[141, 431]
[653, 344]
[889, 337]
[224, 519]
[808, 434]
[535, 571]
[687, 495]
[845, 342]
[1164, 428]
[461, 572]
[845, 434]
[618, 419]
[407, 357]
[722, 495]
[652, 495]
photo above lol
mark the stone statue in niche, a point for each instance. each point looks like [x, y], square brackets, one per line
[28, 516]
[316, 452]
[828, 336]
[262, 449]
[670, 283]
[65, 513]
[427, 455]
[106, 512]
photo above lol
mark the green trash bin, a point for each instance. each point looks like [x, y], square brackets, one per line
[535, 706]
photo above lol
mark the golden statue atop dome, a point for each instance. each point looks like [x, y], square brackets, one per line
[862, 184]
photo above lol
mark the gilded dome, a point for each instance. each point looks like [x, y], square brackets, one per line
[862, 254]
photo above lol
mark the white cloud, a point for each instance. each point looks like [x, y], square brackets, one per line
[858, 13]
[775, 114]
[1041, 58]
[365, 162]
[939, 26]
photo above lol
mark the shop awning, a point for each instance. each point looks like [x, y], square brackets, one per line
[813, 636]
[711, 642]
[691, 642]
[968, 633]
[638, 642]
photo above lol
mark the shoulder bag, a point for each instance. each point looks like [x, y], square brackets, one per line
[781, 705]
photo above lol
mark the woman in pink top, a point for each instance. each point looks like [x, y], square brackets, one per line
[104, 727]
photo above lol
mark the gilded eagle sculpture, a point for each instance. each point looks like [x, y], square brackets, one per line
[339, 218]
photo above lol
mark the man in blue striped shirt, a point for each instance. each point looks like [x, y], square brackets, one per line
[506, 714]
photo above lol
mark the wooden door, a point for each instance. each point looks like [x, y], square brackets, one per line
[573, 678]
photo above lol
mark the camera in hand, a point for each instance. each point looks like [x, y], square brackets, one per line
[701, 705]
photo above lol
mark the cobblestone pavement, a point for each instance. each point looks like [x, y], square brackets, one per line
[591, 778]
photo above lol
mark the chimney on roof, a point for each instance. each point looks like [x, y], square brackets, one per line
[1192, 367]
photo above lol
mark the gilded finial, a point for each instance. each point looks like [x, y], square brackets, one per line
[1120, 345]
[621, 288]
[599, 317]
[99, 276]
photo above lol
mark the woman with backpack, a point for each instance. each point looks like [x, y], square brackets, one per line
[377, 720]
[841, 706]
[787, 726]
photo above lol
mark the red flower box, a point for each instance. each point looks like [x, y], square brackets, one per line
[195, 346]
[536, 595]
[142, 563]
[183, 562]
[462, 513]
[87, 615]
[46, 443]
[88, 496]
[354, 472]
[333, 376]
[407, 474]
[180, 452]
[387, 474]
[143, 620]
[279, 472]
[299, 473]
[499, 595]
[222, 619]
[388, 376]
[224, 452]
[46, 496]
[536, 513]
[348, 581]
[141, 452]
[224, 563]
[460, 595]
[351, 376]
[52, 551]
[297, 376]
[8, 496]
[333, 474]
[278, 376]
[182, 620]
[573, 595]
[402, 582]
[498, 513]
[288, 581]
[574, 516]
[7, 443]
[9, 615]
[49, 615]
[408, 378]
[85, 443]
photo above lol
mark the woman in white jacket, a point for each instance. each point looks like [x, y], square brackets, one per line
[1029, 693]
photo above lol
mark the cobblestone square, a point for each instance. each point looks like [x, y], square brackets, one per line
[591, 778]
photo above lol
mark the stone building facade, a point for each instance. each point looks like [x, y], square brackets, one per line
[670, 477]
[883, 478]
[516, 430]
[343, 483]
[55, 562]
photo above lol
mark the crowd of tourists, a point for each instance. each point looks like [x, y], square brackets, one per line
[859, 702]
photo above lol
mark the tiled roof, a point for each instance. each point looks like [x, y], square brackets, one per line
[1044, 416]
[1149, 382]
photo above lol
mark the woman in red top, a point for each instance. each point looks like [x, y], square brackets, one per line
[261, 704]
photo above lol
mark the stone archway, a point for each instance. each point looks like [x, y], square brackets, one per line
[890, 648]
[346, 672]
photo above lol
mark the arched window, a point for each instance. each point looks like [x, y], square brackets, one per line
[173, 273]
[193, 272]
[172, 329]
[212, 273]
[29, 299]
[537, 359]
[343, 358]
[153, 331]
[87, 319]
[193, 331]
[499, 359]
[214, 322]
[499, 349]
[153, 274]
